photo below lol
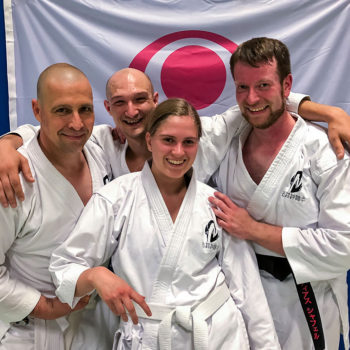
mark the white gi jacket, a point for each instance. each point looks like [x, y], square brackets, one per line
[176, 265]
[29, 234]
[306, 190]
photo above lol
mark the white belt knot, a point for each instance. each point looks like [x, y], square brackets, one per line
[183, 317]
[193, 319]
[188, 319]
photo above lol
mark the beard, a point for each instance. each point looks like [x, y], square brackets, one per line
[271, 119]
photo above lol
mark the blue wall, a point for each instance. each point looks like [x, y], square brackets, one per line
[4, 107]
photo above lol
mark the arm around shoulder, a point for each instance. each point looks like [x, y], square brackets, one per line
[12, 162]
[338, 122]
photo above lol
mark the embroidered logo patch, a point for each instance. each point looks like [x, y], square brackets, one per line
[295, 186]
[211, 236]
[295, 182]
[105, 180]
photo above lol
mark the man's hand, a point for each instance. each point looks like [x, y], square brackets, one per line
[338, 130]
[52, 308]
[238, 223]
[234, 220]
[115, 292]
[338, 122]
[118, 135]
[12, 162]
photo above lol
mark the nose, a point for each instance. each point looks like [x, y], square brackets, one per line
[178, 149]
[131, 111]
[76, 121]
[252, 97]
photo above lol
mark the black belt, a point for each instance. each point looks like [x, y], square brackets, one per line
[280, 269]
[23, 322]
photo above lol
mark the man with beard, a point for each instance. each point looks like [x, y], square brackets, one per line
[296, 196]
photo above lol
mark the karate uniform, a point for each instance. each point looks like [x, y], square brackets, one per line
[217, 134]
[306, 190]
[176, 266]
[29, 234]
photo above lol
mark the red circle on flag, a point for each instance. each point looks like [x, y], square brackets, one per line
[193, 72]
[185, 74]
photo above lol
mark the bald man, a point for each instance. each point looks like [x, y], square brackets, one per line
[67, 168]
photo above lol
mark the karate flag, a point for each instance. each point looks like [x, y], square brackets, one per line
[184, 46]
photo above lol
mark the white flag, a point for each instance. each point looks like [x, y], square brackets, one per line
[184, 46]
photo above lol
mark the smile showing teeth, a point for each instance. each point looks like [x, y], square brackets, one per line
[257, 109]
[176, 162]
[132, 122]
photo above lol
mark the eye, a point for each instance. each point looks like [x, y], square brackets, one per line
[168, 140]
[241, 87]
[141, 99]
[264, 85]
[86, 109]
[62, 110]
[190, 142]
[118, 103]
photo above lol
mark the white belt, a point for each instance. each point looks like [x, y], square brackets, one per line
[4, 327]
[191, 318]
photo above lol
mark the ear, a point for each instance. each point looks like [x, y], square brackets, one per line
[155, 98]
[287, 85]
[36, 109]
[107, 106]
[149, 141]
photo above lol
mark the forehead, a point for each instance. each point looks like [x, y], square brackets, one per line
[63, 91]
[179, 126]
[243, 72]
[129, 84]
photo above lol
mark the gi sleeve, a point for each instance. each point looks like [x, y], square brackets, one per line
[26, 132]
[100, 133]
[242, 277]
[218, 132]
[294, 100]
[90, 244]
[17, 299]
[323, 253]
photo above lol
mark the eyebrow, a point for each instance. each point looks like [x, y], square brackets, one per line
[136, 94]
[185, 138]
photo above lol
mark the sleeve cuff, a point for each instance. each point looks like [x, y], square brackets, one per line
[291, 246]
[294, 100]
[66, 290]
[24, 305]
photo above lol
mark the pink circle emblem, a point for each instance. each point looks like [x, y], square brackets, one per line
[193, 72]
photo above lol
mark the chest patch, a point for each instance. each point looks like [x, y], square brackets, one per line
[210, 237]
[295, 186]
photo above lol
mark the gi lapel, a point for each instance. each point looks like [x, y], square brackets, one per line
[56, 182]
[260, 203]
[174, 234]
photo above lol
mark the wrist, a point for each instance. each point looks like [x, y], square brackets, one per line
[88, 280]
[11, 141]
[40, 308]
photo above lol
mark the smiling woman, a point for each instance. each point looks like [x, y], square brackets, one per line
[201, 285]
[174, 132]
